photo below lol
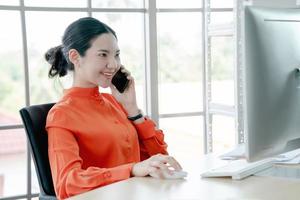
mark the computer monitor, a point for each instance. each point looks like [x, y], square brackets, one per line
[272, 81]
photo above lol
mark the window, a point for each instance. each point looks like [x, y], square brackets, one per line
[117, 4]
[56, 3]
[12, 71]
[184, 136]
[13, 162]
[43, 34]
[179, 4]
[220, 65]
[221, 4]
[180, 62]
[193, 57]
[9, 2]
[223, 129]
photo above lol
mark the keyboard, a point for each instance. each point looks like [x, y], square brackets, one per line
[238, 169]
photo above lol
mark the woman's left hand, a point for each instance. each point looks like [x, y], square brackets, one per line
[128, 97]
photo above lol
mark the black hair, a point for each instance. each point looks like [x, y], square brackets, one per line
[78, 35]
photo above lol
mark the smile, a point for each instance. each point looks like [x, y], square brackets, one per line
[108, 75]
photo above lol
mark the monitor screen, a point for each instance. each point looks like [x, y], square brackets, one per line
[272, 81]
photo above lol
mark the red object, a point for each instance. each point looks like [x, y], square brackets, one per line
[92, 143]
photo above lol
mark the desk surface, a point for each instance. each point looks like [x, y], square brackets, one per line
[194, 187]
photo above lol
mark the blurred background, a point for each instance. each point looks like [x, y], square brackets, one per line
[189, 48]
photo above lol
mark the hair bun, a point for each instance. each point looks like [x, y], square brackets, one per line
[51, 54]
[56, 59]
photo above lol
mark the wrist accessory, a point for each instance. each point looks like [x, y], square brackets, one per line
[138, 116]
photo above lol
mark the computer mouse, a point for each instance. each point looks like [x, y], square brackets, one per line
[176, 174]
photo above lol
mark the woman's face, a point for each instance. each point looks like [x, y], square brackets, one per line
[100, 62]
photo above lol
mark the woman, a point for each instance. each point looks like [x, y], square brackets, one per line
[96, 138]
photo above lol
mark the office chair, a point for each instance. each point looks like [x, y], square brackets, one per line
[34, 120]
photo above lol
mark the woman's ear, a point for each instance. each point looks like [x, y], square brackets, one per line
[74, 57]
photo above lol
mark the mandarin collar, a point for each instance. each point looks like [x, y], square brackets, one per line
[83, 92]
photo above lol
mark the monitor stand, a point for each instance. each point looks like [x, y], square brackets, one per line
[282, 171]
[292, 144]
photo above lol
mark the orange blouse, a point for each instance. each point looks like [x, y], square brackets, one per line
[91, 142]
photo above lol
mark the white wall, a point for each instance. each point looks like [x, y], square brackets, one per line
[275, 3]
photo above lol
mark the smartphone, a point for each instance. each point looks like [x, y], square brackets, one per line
[120, 81]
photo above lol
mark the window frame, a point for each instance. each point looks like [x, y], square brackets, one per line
[150, 12]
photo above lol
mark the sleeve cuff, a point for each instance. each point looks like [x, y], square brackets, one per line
[145, 129]
[119, 173]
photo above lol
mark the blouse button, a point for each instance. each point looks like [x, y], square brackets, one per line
[106, 175]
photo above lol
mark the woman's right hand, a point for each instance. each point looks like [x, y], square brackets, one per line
[157, 166]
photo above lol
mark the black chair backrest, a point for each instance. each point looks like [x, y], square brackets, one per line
[34, 120]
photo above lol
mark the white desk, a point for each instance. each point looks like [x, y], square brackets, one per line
[194, 187]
